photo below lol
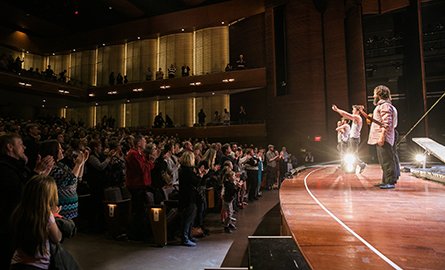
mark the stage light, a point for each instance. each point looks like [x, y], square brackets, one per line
[349, 161]
[420, 158]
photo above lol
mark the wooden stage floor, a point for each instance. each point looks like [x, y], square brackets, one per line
[342, 221]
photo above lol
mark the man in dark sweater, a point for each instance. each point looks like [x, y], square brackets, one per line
[13, 175]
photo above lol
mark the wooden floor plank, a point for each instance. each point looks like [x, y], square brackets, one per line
[405, 224]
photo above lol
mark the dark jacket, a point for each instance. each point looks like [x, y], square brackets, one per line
[13, 176]
[188, 183]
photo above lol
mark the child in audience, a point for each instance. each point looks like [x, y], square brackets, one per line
[34, 224]
[230, 191]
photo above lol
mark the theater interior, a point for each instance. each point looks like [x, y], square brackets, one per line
[301, 56]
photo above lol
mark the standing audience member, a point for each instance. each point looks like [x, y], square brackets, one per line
[216, 120]
[148, 74]
[284, 159]
[168, 121]
[138, 181]
[171, 71]
[188, 183]
[272, 158]
[119, 79]
[111, 79]
[66, 178]
[242, 115]
[241, 63]
[13, 176]
[251, 166]
[159, 121]
[159, 74]
[34, 224]
[96, 179]
[201, 117]
[383, 137]
[229, 194]
[226, 117]
[185, 71]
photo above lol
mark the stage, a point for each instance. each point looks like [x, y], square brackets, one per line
[342, 221]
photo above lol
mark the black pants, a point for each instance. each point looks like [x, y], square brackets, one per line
[252, 184]
[188, 215]
[271, 176]
[386, 157]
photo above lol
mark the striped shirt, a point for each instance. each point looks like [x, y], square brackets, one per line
[385, 113]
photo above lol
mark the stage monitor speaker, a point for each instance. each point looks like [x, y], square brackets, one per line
[275, 252]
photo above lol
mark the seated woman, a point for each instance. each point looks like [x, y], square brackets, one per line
[34, 224]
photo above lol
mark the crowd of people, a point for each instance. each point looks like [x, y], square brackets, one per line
[44, 163]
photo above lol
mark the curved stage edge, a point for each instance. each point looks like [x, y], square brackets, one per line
[342, 221]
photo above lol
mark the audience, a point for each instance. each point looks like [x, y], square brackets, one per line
[152, 168]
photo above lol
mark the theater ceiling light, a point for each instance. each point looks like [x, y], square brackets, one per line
[165, 86]
[63, 91]
[112, 92]
[138, 89]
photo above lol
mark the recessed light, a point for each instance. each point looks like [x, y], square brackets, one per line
[222, 22]
[74, 50]
[182, 29]
[54, 53]
[110, 7]
[139, 37]
[103, 44]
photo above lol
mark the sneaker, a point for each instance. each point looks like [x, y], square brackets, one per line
[232, 227]
[233, 219]
[362, 167]
[188, 243]
[387, 186]
[194, 240]
[227, 230]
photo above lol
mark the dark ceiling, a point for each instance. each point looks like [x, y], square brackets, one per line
[73, 16]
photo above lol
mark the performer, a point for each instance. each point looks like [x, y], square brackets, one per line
[343, 130]
[354, 133]
[383, 136]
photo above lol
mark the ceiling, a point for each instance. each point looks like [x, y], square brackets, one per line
[47, 18]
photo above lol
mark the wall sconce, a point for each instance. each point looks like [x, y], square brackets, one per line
[156, 212]
[111, 208]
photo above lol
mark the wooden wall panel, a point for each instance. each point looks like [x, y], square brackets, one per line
[336, 65]
[34, 61]
[292, 118]
[211, 50]
[371, 6]
[355, 56]
[176, 49]
[247, 38]
[210, 104]
[59, 63]
[110, 59]
[141, 54]
[390, 5]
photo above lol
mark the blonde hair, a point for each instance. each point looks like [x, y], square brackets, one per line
[30, 218]
[187, 159]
